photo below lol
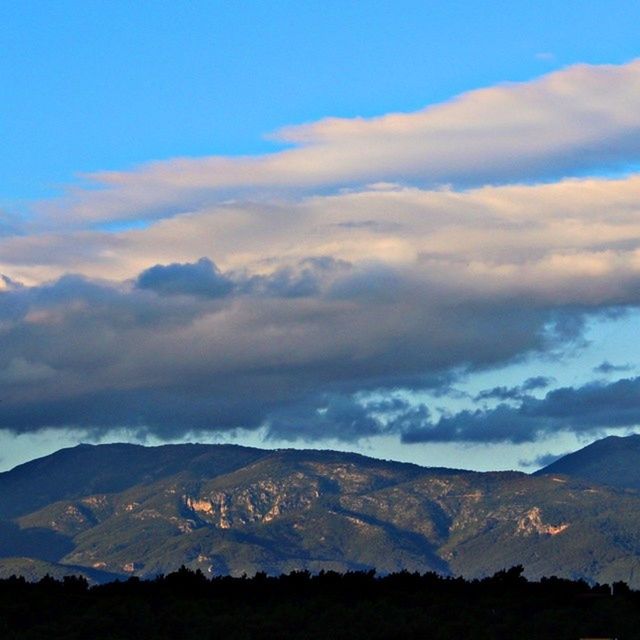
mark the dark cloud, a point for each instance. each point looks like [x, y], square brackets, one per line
[188, 348]
[285, 282]
[536, 382]
[586, 409]
[164, 413]
[343, 417]
[495, 425]
[543, 460]
[201, 278]
[514, 393]
[499, 393]
[606, 367]
[204, 279]
[330, 416]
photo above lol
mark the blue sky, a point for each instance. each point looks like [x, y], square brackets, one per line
[139, 136]
[96, 85]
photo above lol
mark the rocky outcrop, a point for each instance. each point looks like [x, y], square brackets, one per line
[531, 523]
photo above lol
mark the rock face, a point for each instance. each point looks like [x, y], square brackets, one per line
[531, 524]
[226, 509]
[260, 502]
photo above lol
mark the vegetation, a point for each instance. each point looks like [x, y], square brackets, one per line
[115, 511]
[348, 606]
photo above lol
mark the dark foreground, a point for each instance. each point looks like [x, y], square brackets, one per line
[186, 605]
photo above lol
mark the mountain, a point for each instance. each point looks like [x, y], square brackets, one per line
[612, 461]
[119, 510]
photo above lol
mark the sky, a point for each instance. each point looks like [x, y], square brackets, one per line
[408, 229]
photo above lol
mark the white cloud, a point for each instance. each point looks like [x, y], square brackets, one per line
[580, 119]
[574, 241]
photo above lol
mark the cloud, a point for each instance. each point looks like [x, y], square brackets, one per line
[204, 279]
[536, 382]
[579, 119]
[543, 460]
[200, 279]
[300, 280]
[9, 224]
[7, 283]
[22, 371]
[574, 240]
[371, 257]
[333, 416]
[588, 409]
[80, 353]
[514, 393]
[291, 306]
[606, 367]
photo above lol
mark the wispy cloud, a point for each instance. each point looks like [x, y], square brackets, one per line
[580, 119]
[607, 367]
[514, 393]
[541, 461]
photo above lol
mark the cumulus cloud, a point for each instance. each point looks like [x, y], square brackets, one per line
[202, 278]
[103, 355]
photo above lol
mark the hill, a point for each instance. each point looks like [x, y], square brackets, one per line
[612, 461]
[122, 510]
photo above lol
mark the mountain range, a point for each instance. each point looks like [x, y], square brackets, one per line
[117, 510]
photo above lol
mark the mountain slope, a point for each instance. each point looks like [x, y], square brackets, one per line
[110, 468]
[125, 510]
[613, 461]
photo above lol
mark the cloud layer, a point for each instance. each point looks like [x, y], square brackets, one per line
[587, 409]
[198, 354]
[581, 119]
[306, 290]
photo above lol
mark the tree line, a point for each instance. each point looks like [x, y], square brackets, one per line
[359, 604]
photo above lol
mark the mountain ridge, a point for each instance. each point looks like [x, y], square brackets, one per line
[613, 461]
[122, 510]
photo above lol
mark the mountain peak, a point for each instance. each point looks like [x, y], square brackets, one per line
[612, 461]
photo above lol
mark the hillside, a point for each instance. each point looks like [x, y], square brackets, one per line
[614, 461]
[121, 510]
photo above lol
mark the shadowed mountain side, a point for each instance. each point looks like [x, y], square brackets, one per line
[41, 543]
[613, 461]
